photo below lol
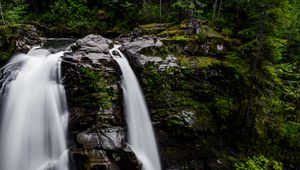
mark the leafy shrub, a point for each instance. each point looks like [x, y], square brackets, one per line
[14, 12]
[149, 13]
[73, 15]
[188, 6]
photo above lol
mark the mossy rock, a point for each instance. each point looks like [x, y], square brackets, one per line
[96, 85]
[153, 28]
[198, 62]
[172, 31]
[155, 51]
[7, 44]
[206, 85]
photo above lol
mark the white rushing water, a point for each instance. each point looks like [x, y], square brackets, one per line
[34, 113]
[141, 135]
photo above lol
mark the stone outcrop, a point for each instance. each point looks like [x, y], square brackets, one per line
[27, 37]
[96, 126]
[136, 50]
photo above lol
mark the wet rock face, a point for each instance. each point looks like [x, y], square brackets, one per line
[91, 51]
[96, 122]
[139, 43]
[26, 38]
[107, 139]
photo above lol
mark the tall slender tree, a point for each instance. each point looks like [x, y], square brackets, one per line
[1, 13]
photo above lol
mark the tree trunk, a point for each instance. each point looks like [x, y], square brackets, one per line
[220, 5]
[1, 12]
[51, 6]
[256, 68]
[215, 9]
[160, 11]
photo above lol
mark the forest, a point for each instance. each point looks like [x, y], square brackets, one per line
[238, 72]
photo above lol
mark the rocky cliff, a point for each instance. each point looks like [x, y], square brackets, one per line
[97, 131]
[184, 110]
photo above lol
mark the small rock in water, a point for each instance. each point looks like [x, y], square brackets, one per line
[115, 52]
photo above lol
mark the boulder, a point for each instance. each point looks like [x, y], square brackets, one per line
[140, 53]
[27, 37]
[91, 51]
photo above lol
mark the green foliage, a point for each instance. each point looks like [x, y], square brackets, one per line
[15, 12]
[277, 45]
[178, 126]
[184, 4]
[227, 32]
[149, 13]
[189, 6]
[4, 57]
[8, 44]
[259, 163]
[290, 130]
[73, 15]
[223, 107]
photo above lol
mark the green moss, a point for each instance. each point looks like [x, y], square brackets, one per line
[184, 61]
[198, 62]
[209, 36]
[239, 65]
[153, 28]
[183, 38]
[206, 61]
[162, 51]
[175, 123]
[184, 24]
[96, 86]
[223, 106]
[204, 117]
[210, 32]
[172, 31]
[259, 163]
[227, 32]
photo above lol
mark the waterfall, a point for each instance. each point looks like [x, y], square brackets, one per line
[34, 113]
[141, 135]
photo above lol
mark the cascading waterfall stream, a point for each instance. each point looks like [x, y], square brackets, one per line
[34, 113]
[141, 135]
